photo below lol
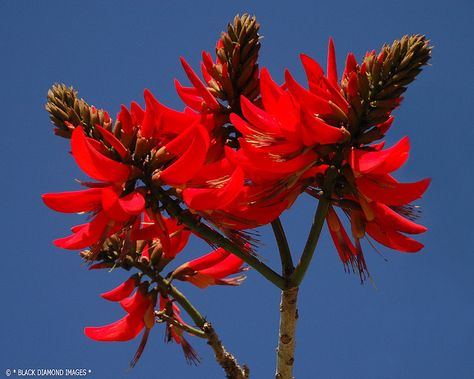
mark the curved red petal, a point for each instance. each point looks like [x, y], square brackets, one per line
[315, 131]
[331, 64]
[208, 260]
[148, 125]
[228, 266]
[95, 164]
[113, 141]
[344, 246]
[385, 189]
[125, 329]
[111, 205]
[86, 236]
[215, 198]
[314, 73]
[133, 203]
[393, 239]
[121, 292]
[389, 219]
[269, 90]
[125, 119]
[188, 164]
[170, 122]
[137, 113]
[136, 304]
[74, 201]
[183, 140]
[189, 96]
[258, 117]
[210, 100]
[313, 103]
[381, 162]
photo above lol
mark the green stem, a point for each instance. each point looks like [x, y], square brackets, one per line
[287, 265]
[313, 237]
[218, 239]
[198, 319]
[164, 317]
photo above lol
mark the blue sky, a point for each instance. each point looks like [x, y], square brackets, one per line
[418, 323]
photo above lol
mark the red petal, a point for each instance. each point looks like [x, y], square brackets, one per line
[315, 104]
[111, 205]
[121, 292]
[228, 266]
[188, 164]
[74, 201]
[343, 243]
[215, 198]
[87, 235]
[182, 142]
[95, 164]
[125, 119]
[314, 73]
[315, 131]
[136, 304]
[269, 90]
[170, 121]
[381, 162]
[137, 113]
[189, 96]
[208, 260]
[125, 329]
[148, 125]
[133, 203]
[385, 189]
[218, 169]
[210, 100]
[113, 141]
[351, 65]
[331, 65]
[389, 219]
[258, 117]
[352, 85]
[393, 239]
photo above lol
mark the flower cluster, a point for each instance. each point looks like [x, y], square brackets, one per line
[239, 154]
[324, 137]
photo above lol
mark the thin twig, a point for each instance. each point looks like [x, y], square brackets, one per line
[171, 320]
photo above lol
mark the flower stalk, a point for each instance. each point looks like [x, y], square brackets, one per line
[298, 274]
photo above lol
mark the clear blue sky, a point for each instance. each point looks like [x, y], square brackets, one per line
[418, 323]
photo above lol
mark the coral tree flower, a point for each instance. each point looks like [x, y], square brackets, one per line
[139, 308]
[211, 269]
[297, 133]
[112, 210]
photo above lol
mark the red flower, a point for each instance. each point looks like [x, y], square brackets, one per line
[139, 308]
[290, 141]
[211, 269]
[105, 200]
